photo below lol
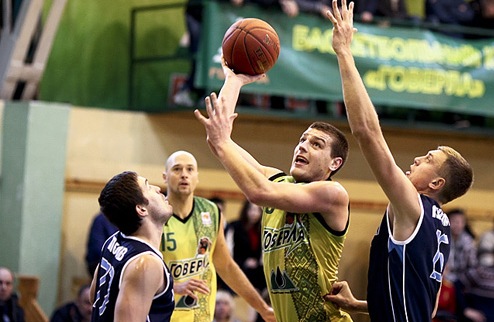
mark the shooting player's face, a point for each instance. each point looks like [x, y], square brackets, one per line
[312, 156]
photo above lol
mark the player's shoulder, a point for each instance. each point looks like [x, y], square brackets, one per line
[204, 202]
[146, 261]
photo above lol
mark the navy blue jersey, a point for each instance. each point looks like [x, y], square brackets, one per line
[405, 276]
[118, 251]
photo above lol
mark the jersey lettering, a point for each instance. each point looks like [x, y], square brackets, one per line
[104, 285]
[289, 236]
[190, 267]
[439, 256]
[117, 250]
[438, 213]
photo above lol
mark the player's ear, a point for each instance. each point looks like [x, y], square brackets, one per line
[164, 176]
[437, 183]
[141, 210]
[335, 164]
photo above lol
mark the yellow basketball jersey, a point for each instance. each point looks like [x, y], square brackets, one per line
[187, 247]
[301, 256]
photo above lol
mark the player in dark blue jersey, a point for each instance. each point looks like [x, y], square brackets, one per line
[411, 246]
[131, 282]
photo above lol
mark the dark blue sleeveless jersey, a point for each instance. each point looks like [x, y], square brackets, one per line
[118, 251]
[405, 276]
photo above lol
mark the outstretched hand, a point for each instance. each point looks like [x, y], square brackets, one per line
[343, 29]
[218, 124]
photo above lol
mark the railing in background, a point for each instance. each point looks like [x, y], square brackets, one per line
[402, 106]
[28, 290]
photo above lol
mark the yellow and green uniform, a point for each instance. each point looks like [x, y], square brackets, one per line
[301, 254]
[187, 247]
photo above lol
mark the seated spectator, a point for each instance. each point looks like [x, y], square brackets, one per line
[478, 282]
[77, 311]
[9, 308]
[99, 232]
[225, 307]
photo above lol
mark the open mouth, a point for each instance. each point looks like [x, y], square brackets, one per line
[301, 160]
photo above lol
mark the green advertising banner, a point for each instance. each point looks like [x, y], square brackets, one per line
[404, 67]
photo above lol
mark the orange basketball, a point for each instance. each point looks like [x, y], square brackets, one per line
[251, 46]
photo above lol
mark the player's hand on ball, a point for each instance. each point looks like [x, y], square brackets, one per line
[243, 78]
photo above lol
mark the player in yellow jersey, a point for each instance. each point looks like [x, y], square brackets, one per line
[305, 216]
[194, 248]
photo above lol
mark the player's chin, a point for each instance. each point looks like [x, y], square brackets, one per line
[297, 172]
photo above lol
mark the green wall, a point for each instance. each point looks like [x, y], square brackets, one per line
[32, 192]
[90, 58]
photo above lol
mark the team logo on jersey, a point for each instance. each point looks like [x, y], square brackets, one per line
[186, 302]
[281, 282]
[206, 218]
[291, 236]
[203, 246]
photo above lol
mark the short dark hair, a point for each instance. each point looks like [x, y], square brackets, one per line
[458, 174]
[118, 201]
[339, 143]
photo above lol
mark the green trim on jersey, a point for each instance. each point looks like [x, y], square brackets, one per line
[187, 247]
[301, 257]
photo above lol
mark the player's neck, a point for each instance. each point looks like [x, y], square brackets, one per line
[151, 233]
[182, 204]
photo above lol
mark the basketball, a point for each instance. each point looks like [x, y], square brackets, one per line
[251, 46]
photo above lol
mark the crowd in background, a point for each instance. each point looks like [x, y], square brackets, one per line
[467, 292]
[471, 15]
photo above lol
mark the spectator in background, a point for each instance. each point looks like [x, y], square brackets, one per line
[225, 307]
[99, 232]
[478, 282]
[484, 16]
[9, 308]
[189, 93]
[453, 12]
[393, 9]
[463, 253]
[451, 302]
[78, 310]
[244, 240]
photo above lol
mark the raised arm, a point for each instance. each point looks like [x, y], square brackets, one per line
[229, 93]
[364, 124]
[326, 197]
